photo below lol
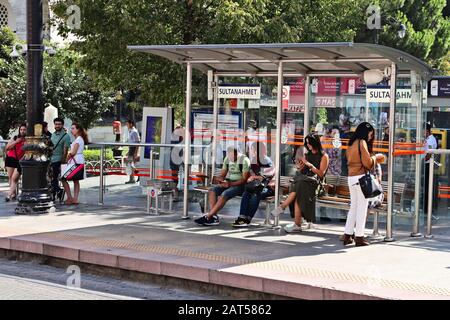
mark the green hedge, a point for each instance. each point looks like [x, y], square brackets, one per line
[94, 155]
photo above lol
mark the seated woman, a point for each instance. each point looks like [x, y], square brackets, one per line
[261, 168]
[311, 167]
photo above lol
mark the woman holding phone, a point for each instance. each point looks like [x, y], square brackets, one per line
[311, 167]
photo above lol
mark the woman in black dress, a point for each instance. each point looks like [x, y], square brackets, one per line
[312, 166]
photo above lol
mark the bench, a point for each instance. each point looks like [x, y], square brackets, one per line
[341, 198]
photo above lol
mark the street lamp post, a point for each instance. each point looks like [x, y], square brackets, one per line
[35, 197]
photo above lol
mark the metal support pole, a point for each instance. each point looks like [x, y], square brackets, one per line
[414, 86]
[215, 124]
[430, 197]
[390, 191]
[100, 192]
[187, 141]
[35, 70]
[150, 168]
[306, 114]
[278, 139]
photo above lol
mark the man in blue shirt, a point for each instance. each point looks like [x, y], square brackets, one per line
[61, 144]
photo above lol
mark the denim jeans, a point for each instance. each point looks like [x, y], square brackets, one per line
[250, 202]
[228, 193]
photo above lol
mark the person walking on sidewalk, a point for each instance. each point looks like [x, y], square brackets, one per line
[133, 152]
[76, 155]
[14, 152]
[360, 160]
[61, 144]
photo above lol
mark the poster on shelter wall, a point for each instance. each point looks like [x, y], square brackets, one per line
[230, 131]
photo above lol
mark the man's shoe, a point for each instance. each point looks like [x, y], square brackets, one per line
[292, 228]
[241, 223]
[204, 221]
[131, 181]
[213, 221]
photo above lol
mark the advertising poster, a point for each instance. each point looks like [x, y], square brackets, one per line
[153, 133]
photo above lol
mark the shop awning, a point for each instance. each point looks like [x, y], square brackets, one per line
[311, 58]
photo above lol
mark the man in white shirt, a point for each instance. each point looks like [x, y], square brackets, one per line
[133, 152]
[430, 143]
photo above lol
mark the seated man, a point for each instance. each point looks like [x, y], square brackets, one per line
[237, 166]
[262, 168]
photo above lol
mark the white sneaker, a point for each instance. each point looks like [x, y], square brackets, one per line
[276, 212]
[311, 226]
[290, 228]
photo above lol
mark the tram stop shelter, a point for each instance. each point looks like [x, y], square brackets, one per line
[315, 61]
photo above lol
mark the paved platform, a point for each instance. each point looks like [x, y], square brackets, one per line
[310, 265]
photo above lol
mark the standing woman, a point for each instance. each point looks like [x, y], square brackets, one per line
[14, 152]
[360, 160]
[75, 154]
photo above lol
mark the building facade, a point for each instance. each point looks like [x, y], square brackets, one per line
[13, 14]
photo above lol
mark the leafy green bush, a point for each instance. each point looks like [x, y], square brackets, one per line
[94, 155]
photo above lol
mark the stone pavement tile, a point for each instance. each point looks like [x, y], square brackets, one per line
[27, 245]
[102, 256]
[61, 251]
[5, 243]
[236, 280]
[140, 261]
[293, 290]
[190, 268]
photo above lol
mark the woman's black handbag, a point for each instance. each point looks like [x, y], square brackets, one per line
[369, 185]
[256, 186]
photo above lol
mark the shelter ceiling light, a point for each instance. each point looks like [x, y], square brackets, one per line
[373, 76]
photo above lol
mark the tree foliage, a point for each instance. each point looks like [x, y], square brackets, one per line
[108, 26]
[66, 86]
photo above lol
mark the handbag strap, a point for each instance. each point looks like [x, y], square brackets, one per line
[360, 157]
[65, 133]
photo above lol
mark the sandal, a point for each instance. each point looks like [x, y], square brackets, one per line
[68, 202]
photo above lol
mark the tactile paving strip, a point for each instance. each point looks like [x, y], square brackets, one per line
[268, 265]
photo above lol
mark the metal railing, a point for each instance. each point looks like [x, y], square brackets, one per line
[103, 145]
[429, 209]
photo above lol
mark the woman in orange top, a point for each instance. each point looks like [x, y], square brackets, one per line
[360, 160]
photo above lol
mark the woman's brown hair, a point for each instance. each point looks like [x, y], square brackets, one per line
[82, 132]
